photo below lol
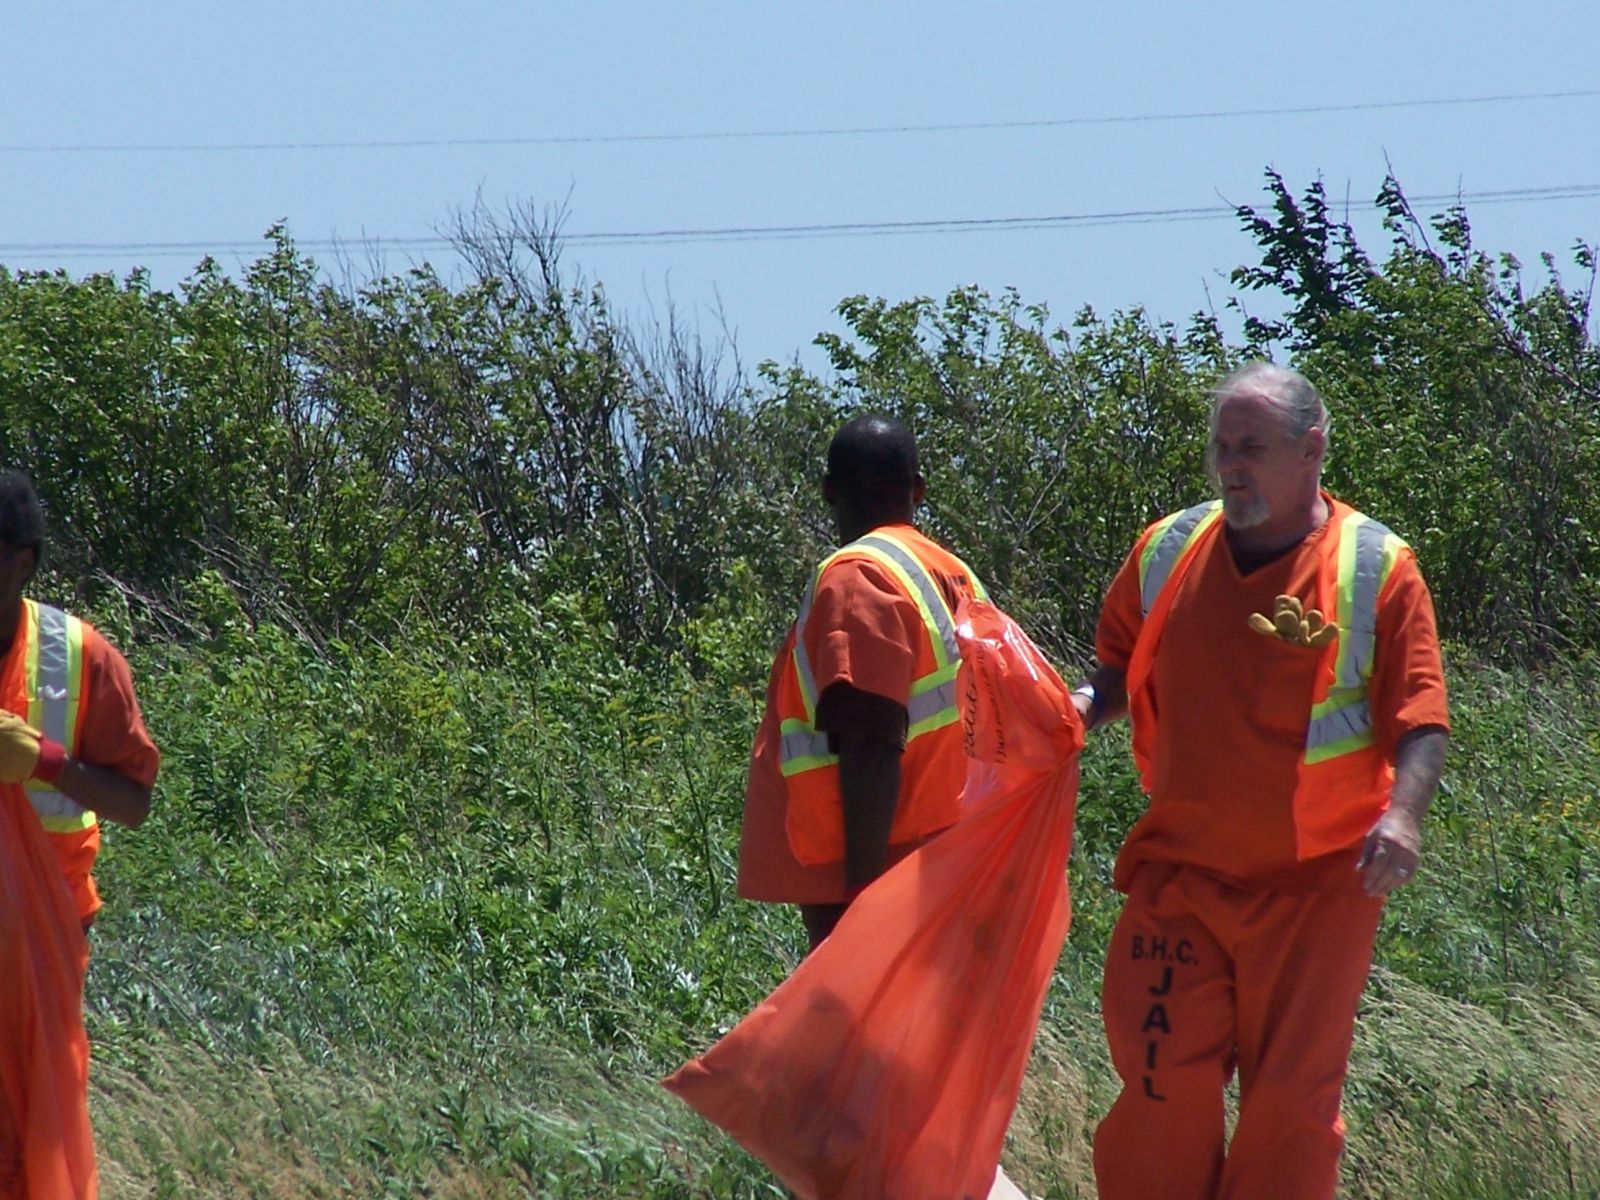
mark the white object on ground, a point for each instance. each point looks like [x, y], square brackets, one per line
[1004, 1189]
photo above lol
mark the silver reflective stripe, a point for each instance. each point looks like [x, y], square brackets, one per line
[929, 592]
[1360, 634]
[931, 702]
[1350, 721]
[932, 597]
[52, 681]
[47, 802]
[921, 707]
[802, 660]
[1166, 553]
[52, 687]
[802, 745]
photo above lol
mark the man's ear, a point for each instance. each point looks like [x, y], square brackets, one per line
[1316, 444]
[919, 488]
[830, 489]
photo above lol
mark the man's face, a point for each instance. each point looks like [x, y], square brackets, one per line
[1261, 472]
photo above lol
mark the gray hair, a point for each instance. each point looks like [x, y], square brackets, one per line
[1289, 390]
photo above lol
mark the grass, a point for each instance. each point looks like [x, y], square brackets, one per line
[435, 924]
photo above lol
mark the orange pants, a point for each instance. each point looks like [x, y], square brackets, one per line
[1202, 977]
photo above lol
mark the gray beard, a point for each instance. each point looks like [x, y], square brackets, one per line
[1246, 514]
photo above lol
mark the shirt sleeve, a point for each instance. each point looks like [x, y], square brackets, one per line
[862, 630]
[111, 733]
[1407, 691]
[1122, 614]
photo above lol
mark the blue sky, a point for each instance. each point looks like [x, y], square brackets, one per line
[79, 75]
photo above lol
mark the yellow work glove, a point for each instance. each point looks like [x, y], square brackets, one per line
[25, 753]
[1292, 623]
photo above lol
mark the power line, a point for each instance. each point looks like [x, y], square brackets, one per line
[753, 233]
[824, 132]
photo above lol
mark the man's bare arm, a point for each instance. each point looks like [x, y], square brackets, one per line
[1394, 847]
[110, 795]
[1111, 697]
[869, 788]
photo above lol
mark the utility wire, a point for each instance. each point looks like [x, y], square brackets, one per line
[759, 233]
[758, 134]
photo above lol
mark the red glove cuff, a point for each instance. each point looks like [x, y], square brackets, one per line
[52, 758]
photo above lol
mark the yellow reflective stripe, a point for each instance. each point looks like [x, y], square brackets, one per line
[802, 664]
[978, 590]
[1157, 536]
[84, 819]
[802, 674]
[1342, 724]
[942, 647]
[802, 748]
[895, 557]
[1349, 745]
[924, 594]
[1346, 672]
[931, 702]
[74, 683]
[31, 665]
[928, 586]
[54, 683]
[948, 715]
[1171, 540]
[1368, 552]
[934, 678]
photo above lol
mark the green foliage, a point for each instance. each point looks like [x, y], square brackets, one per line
[451, 607]
[347, 462]
[1046, 450]
[481, 907]
[1466, 411]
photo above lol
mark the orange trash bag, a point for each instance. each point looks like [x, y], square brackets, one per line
[46, 1147]
[888, 1065]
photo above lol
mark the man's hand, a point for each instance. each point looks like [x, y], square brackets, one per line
[1391, 852]
[1082, 701]
[1109, 701]
[1389, 856]
[25, 753]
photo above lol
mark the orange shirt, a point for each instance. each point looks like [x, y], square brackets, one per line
[111, 731]
[863, 631]
[1233, 704]
[111, 734]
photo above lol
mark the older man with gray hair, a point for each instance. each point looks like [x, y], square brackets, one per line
[1277, 654]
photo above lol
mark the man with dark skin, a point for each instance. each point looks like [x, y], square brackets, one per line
[111, 765]
[72, 745]
[859, 759]
[111, 796]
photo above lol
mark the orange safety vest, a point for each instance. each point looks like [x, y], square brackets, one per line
[933, 766]
[1344, 780]
[51, 692]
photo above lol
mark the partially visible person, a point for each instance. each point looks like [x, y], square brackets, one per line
[74, 748]
[1279, 655]
[64, 685]
[859, 756]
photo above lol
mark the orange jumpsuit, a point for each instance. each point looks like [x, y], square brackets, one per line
[1231, 953]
